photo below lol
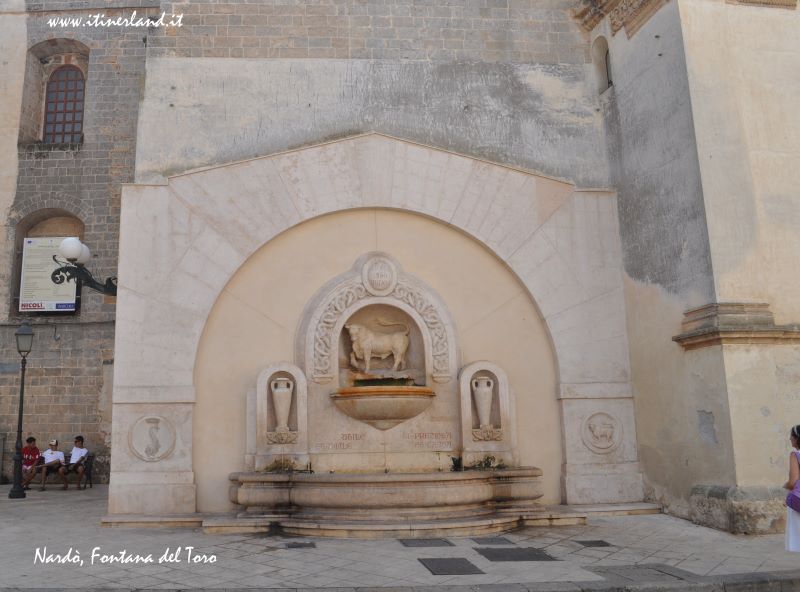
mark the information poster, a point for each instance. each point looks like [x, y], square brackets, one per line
[37, 291]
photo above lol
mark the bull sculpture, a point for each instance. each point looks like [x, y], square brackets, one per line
[368, 344]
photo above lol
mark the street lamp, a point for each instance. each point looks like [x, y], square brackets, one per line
[24, 337]
[77, 255]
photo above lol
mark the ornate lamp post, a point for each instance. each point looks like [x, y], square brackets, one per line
[24, 337]
[74, 268]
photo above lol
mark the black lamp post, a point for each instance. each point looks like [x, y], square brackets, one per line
[24, 337]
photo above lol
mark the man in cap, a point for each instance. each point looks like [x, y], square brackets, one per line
[53, 460]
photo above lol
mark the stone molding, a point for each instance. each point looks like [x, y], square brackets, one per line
[591, 12]
[632, 14]
[790, 4]
[727, 323]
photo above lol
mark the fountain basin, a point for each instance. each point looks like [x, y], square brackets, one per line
[383, 504]
[384, 406]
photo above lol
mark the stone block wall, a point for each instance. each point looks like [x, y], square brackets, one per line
[538, 31]
[67, 389]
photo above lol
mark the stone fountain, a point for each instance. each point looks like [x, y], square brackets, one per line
[361, 435]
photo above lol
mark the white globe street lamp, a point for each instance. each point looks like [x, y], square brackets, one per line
[77, 255]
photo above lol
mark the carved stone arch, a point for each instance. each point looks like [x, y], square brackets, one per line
[61, 41]
[181, 242]
[66, 203]
[316, 344]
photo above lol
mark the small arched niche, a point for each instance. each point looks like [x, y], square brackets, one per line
[601, 58]
[391, 325]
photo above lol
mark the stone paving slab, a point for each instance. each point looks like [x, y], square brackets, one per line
[647, 553]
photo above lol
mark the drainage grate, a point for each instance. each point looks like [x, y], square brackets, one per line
[426, 543]
[450, 566]
[515, 554]
[493, 541]
[594, 543]
[301, 545]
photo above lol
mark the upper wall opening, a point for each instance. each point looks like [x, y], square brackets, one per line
[53, 92]
[601, 58]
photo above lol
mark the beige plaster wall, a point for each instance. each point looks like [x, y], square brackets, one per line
[682, 414]
[743, 64]
[254, 319]
[13, 44]
[764, 395]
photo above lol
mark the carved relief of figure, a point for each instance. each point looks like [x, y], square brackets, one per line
[152, 449]
[602, 433]
[368, 344]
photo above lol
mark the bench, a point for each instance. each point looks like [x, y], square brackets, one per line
[86, 478]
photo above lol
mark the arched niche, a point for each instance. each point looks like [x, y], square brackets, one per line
[383, 318]
[45, 222]
[320, 337]
[186, 242]
[601, 59]
[255, 320]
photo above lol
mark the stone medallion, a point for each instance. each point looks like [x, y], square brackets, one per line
[152, 438]
[601, 433]
[379, 276]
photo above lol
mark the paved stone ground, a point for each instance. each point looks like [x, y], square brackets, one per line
[643, 553]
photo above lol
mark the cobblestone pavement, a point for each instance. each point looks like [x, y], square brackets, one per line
[608, 553]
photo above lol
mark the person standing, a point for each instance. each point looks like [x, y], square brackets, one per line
[793, 497]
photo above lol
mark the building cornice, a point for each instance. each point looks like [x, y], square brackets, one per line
[632, 14]
[727, 323]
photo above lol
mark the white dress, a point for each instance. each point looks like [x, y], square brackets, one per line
[793, 525]
[792, 530]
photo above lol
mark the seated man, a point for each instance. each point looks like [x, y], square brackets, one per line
[53, 460]
[76, 458]
[30, 458]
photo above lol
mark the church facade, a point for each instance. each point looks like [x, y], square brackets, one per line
[562, 231]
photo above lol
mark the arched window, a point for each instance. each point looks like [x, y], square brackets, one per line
[63, 115]
[601, 57]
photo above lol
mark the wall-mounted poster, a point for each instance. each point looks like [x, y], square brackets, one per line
[37, 292]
